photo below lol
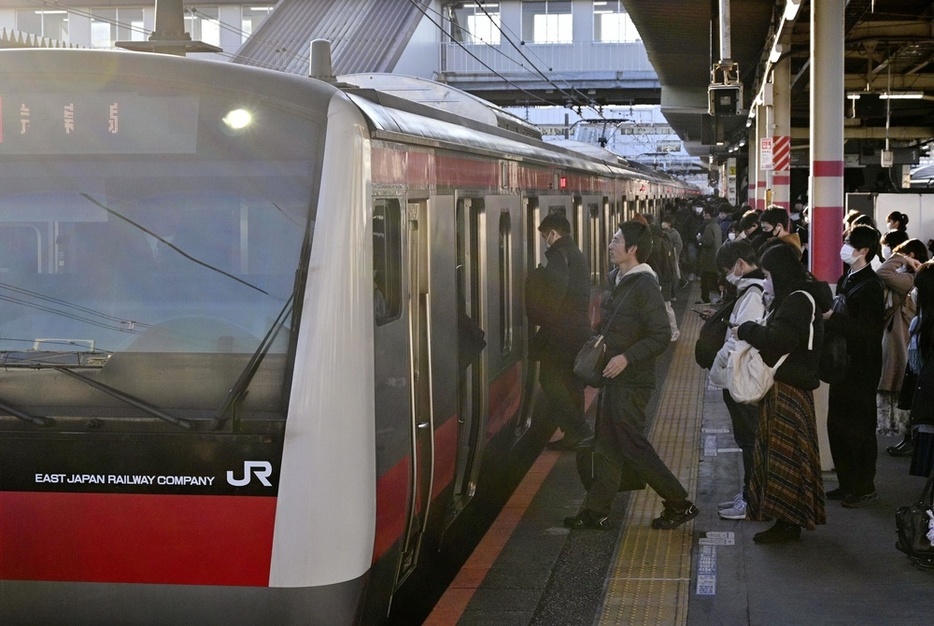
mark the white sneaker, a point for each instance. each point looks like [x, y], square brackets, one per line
[729, 504]
[736, 512]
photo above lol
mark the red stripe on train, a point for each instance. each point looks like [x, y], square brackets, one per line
[136, 538]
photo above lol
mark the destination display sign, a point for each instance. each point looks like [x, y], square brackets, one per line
[97, 124]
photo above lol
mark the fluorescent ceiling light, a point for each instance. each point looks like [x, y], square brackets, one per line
[902, 95]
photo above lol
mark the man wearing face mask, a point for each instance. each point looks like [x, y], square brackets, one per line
[851, 414]
[561, 291]
[739, 262]
[774, 220]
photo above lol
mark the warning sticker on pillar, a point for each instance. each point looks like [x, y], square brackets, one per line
[765, 154]
[781, 153]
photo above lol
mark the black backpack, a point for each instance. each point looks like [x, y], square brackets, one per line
[713, 332]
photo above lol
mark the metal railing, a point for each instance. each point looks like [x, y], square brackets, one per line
[577, 58]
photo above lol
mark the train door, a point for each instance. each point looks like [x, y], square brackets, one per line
[421, 416]
[533, 255]
[470, 218]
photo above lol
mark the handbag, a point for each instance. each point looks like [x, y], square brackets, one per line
[590, 361]
[914, 527]
[748, 377]
[591, 358]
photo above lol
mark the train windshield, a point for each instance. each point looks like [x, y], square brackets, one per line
[150, 240]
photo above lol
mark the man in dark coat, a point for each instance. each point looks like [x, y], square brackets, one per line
[636, 334]
[558, 299]
[851, 407]
[709, 240]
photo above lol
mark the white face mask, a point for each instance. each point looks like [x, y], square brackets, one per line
[886, 252]
[733, 279]
[913, 294]
[731, 236]
[848, 254]
[698, 210]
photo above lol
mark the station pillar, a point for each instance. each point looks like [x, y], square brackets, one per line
[752, 169]
[762, 171]
[781, 135]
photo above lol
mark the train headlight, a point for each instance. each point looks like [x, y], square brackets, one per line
[238, 119]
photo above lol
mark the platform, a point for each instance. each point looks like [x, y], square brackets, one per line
[529, 569]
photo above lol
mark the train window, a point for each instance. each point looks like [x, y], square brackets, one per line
[596, 248]
[505, 282]
[387, 261]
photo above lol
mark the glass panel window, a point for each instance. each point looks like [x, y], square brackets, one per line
[387, 261]
[612, 24]
[49, 23]
[130, 25]
[203, 25]
[103, 28]
[252, 17]
[547, 22]
[475, 22]
[505, 282]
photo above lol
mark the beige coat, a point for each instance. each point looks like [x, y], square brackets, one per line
[899, 309]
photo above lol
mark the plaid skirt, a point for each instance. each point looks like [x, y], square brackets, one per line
[786, 481]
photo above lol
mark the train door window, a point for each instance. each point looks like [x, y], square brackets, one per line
[20, 249]
[387, 260]
[506, 282]
[596, 249]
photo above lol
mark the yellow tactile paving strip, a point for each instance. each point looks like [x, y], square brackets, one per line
[650, 578]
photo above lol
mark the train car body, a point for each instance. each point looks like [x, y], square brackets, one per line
[232, 304]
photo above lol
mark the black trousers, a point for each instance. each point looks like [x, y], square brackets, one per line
[621, 440]
[565, 393]
[851, 431]
[745, 420]
[708, 284]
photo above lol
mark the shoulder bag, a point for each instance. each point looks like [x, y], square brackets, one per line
[591, 358]
[914, 527]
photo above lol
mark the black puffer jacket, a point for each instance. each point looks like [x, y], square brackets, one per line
[788, 329]
[639, 329]
[565, 283]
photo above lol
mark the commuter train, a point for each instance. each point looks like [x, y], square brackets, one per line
[230, 300]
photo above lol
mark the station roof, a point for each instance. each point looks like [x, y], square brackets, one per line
[889, 47]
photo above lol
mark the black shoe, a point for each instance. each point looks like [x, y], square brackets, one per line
[836, 494]
[856, 502]
[781, 532]
[905, 447]
[587, 443]
[588, 519]
[565, 443]
[673, 517]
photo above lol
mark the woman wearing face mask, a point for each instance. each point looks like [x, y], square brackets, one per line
[851, 414]
[786, 481]
[898, 277]
[739, 264]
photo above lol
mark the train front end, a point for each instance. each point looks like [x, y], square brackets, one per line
[162, 457]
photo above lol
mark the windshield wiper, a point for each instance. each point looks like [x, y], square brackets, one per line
[131, 400]
[38, 420]
[41, 359]
[238, 391]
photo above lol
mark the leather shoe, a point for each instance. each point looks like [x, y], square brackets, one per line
[836, 494]
[781, 532]
[565, 443]
[905, 447]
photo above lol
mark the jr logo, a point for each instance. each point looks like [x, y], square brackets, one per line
[262, 469]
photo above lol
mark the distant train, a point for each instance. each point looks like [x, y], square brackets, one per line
[230, 389]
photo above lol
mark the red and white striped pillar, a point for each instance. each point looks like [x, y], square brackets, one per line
[781, 138]
[826, 131]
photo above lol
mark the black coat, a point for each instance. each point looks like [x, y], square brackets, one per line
[639, 329]
[564, 291]
[787, 331]
[862, 326]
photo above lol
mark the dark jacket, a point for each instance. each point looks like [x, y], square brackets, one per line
[787, 331]
[862, 326]
[565, 293]
[639, 329]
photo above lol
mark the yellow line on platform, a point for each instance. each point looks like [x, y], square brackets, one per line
[650, 577]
